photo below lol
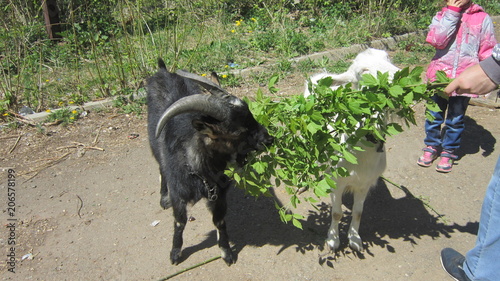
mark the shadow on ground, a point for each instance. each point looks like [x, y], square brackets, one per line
[476, 138]
[255, 222]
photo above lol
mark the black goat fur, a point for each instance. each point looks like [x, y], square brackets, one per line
[193, 150]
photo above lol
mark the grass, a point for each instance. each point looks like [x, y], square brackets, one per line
[109, 47]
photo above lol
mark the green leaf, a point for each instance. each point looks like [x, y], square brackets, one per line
[349, 156]
[441, 77]
[409, 98]
[322, 188]
[396, 91]
[369, 80]
[271, 84]
[297, 223]
[313, 128]
[260, 167]
[326, 82]
[394, 129]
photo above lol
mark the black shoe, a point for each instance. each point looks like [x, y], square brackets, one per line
[452, 262]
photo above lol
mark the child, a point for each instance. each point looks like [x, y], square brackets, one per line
[463, 35]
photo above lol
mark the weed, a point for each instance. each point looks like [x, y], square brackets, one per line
[129, 104]
[106, 52]
[63, 116]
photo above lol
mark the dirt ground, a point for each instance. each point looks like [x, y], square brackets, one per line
[87, 214]
[87, 208]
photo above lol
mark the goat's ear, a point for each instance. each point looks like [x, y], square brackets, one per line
[204, 128]
[343, 78]
[215, 78]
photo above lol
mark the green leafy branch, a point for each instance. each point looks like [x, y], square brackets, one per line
[309, 132]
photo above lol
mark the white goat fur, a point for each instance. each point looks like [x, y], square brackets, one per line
[371, 161]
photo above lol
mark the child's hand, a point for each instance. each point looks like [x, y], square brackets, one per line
[457, 3]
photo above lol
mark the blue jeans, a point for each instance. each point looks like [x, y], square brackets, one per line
[482, 262]
[451, 136]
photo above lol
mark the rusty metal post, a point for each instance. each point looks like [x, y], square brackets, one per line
[51, 15]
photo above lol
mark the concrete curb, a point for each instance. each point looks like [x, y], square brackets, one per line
[41, 116]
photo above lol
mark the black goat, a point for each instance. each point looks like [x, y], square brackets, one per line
[193, 136]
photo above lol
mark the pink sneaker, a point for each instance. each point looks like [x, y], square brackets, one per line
[446, 162]
[430, 154]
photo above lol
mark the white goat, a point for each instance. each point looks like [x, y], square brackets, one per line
[371, 161]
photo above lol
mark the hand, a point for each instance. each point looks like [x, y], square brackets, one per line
[472, 81]
[457, 3]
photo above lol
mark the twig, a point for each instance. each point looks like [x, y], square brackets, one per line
[78, 144]
[53, 123]
[97, 136]
[15, 144]
[21, 118]
[189, 268]
[81, 206]
[9, 137]
[44, 166]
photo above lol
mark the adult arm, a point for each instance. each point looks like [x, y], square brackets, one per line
[478, 79]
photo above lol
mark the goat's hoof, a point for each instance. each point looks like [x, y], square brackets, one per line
[175, 256]
[228, 257]
[229, 260]
[356, 244]
[334, 244]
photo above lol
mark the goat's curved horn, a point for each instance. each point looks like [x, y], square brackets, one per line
[205, 83]
[205, 104]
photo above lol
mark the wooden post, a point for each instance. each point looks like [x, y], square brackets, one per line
[51, 15]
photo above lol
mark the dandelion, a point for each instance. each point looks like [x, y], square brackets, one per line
[224, 76]
[47, 80]
[71, 102]
[74, 112]
[48, 110]
[250, 31]
[233, 31]
[61, 103]
[72, 117]
[253, 19]
[226, 66]
[238, 22]
[203, 75]
[6, 114]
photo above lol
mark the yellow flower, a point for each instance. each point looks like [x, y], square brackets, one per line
[47, 80]
[233, 31]
[238, 22]
[226, 66]
[71, 102]
[250, 31]
[74, 112]
[72, 118]
[48, 110]
[253, 19]
[61, 103]
[224, 76]
[6, 114]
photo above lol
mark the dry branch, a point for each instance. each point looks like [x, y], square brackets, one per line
[15, 144]
[44, 166]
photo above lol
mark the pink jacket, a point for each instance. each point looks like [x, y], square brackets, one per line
[461, 39]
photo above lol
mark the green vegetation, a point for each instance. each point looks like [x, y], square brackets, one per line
[63, 116]
[309, 132]
[108, 47]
